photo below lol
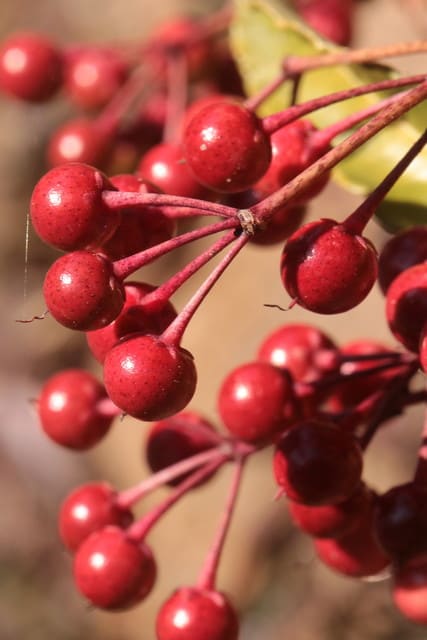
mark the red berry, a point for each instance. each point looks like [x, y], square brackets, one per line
[67, 209]
[68, 408]
[79, 140]
[87, 509]
[197, 614]
[148, 378]
[81, 291]
[256, 402]
[327, 269]
[406, 306]
[226, 147]
[410, 589]
[317, 463]
[401, 252]
[113, 571]
[331, 18]
[30, 67]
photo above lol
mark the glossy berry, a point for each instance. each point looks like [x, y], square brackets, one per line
[423, 348]
[133, 318]
[30, 67]
[197, 614]
[148, 378]
[292, 152]
[332, 19]
[410, 589]
[332, 520]
[67, 209]
[94, 75]
[256, 402]
[113, 571]
[401, 521]
[356, 554]
[69, 409]
[79, 140]
[406, 306]
[317, 463]
[402, 251]
[177, 438]
[90, 508]
[328, 269]
[226, 147]
[81, 291]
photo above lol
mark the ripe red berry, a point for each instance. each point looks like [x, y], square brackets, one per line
[226, 147]
[113, 571]
[68, 407]
[30, 67]
[67, 210]
[328, 269]
[410, 589]
[79, 140]
[148, 378]
[90, 508]
[406, 306]
[256, 402]
[81, 291]
[197, 614]
[317, 463]
[331, 18]
[402, 251]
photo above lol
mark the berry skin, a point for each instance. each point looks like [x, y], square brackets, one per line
[177, 438]
[328, 269]
[197, 614]
[67, 210]
[402, 251]
[133, 318]
[256, 402]
[81, 291]
[331, 18]
[406, 306]
[317, 463]
[30, 67]
[226, 147]
[87, 509]
[148, 378]
[423, 349]
[410, 589]
[67, 407]
[113, 571]
[79, 140]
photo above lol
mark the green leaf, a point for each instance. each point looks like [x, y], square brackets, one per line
[263, 34]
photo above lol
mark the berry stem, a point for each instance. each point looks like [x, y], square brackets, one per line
[177, 94]
[266, 208]
[140, 529]
[357, 221]
[207, 578]
[126, 266]
[278, 120]
[163, 293]
[129, 497]
[420, 476]
[296, 65]
[120, 199]
[173, 334]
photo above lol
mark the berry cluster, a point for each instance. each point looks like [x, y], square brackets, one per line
[317, 404]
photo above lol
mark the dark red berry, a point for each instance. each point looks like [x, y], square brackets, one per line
[328, 269]
[331, 18]
[423, 349]
[406, 306]
[79, 140]
[81, 291]
[69, 409]
[148, 378]
[133, 318]
[317, 463]
[256, 402]
[197, 614]
[30, 67]
[226, 147]
[177, 438]
[401, 252]
[113, 571]
[410, 589]
[67, 209]
[90, 508]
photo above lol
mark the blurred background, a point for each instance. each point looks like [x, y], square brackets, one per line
[268, 568]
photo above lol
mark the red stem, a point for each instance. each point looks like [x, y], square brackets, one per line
[140, 529]
[173, 334]
[207, 578]
[177, 94]
[126, 266]
[158, 297]
[278, 120]
[110, 118]
[358, 220]
[129, 497]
